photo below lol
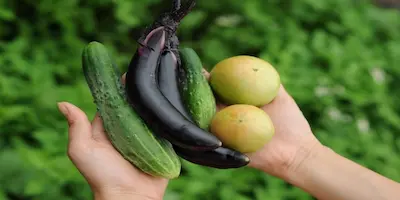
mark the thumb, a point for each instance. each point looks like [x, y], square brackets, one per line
[79, 125]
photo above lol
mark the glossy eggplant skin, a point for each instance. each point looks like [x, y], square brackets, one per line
[221, 158]
[168, 82]
[152, 106]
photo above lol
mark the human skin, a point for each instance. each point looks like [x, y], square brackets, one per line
[294, 155]
[109, 175]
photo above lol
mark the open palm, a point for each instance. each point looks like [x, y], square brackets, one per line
[293, 137]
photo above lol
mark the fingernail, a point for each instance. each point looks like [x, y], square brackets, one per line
[63, 108]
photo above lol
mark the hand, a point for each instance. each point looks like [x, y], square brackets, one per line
[109, 175]
[293, 140]
[295, 155]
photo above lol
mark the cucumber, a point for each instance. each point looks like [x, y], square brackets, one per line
[128, 133]
[196, 93]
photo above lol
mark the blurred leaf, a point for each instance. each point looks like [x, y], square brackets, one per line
[337, 58]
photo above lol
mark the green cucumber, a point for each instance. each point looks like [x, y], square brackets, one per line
[196, 93]
[128, 133]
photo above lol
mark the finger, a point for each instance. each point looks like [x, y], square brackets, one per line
[79, 125]
[206, 74]
[282, 99]
[123, 78]
[97, 123]
[284, 109]
[220, 106]
[98, 131]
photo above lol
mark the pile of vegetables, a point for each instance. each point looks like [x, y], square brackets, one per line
[167, 109]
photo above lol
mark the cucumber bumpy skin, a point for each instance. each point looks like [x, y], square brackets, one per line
[125, 129]
[196, 93]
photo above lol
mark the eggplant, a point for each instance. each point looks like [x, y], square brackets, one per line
[221, 158]
[153, 107]
[168, 82]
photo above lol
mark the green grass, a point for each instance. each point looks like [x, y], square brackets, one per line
[338, 58]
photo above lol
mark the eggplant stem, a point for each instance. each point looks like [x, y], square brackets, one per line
[176, 5]
[168, 48]
[179, 14]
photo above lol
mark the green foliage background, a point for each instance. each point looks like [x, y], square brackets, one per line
[338, 58]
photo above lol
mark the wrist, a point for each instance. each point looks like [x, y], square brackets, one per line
[125, 195]
[285, 157]
[306, 162]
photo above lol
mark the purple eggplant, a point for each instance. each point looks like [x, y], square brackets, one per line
[168, 82]
[153, 107]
